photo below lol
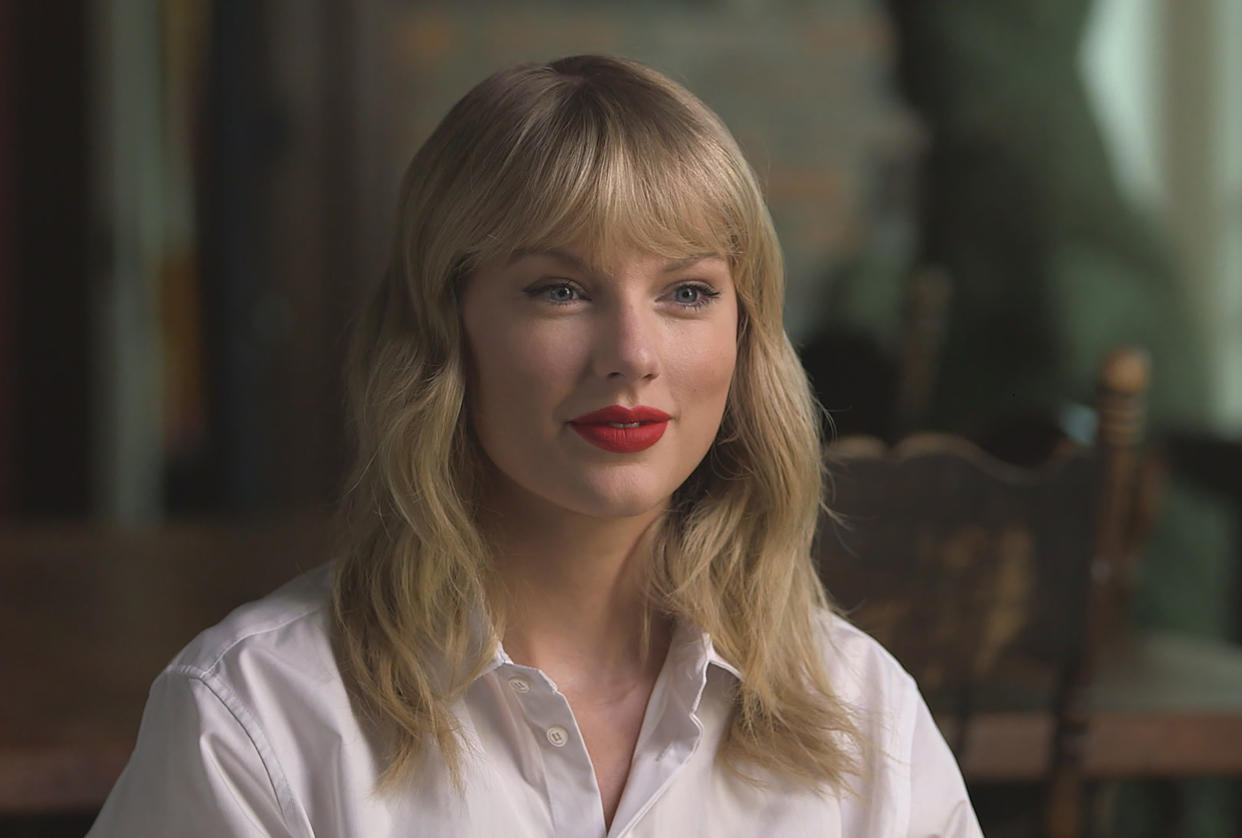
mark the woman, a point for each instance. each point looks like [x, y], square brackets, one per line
[575, 595]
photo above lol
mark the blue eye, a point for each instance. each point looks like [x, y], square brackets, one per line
[694, 295]
[561, 293]
[557, 293]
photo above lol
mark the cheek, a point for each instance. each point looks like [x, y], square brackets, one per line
[722, 364]
[512, 366]
[706, 375]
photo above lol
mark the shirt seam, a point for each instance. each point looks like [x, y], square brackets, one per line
[250, 726]
[215, 660]
[909, 718]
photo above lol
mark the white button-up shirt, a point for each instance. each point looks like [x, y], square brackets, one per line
[250, 731]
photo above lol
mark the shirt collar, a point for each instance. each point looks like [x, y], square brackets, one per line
[690, 646]
[715, 658]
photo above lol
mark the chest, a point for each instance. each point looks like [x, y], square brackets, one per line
[698, 800]
[521, 782]
[610, 732]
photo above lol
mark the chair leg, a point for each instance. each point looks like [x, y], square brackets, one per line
[1104, 809]
[1064, 811]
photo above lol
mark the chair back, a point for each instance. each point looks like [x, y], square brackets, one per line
[978, 575]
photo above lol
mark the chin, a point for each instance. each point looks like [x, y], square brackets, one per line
[617, 502]
[616, 507]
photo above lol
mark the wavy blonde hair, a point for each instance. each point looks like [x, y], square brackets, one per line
[595, 152]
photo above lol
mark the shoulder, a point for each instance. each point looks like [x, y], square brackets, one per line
[280, 640]
[863, 672]
[231, 723]
[881, 697]
[905, 762]
[269, 673]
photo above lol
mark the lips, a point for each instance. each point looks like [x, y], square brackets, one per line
[622, 430]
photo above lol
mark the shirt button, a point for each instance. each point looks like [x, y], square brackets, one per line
[519, 685]
[558, 736]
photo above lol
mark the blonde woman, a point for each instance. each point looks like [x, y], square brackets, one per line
[575, 595]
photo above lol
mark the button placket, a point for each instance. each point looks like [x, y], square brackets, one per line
[572, 794]
[544, 707]
[673, 738]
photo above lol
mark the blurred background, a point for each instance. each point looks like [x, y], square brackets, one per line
[194, 197]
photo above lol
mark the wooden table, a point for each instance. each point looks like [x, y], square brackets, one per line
[1162, 705]
[89, 617]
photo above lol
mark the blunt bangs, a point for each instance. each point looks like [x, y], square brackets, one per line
[604, 166]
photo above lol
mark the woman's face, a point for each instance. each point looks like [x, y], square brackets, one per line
[598, 389]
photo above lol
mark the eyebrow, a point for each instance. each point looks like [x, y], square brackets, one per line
[581, 266]
[689, 261]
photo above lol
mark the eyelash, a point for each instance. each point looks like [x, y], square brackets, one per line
[707, 294]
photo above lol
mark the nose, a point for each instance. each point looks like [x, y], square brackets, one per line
[625, 344]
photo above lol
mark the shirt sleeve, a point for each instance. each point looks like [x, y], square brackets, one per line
[939, 804]
[195, 771]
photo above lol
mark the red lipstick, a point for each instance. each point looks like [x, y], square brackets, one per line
[622, 430]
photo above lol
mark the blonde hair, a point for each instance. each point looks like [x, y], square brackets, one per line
[596, 152]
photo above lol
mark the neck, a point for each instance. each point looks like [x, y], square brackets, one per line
[575, 590]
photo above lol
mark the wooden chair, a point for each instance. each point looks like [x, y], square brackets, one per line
[925, 318]
[1002, 590]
